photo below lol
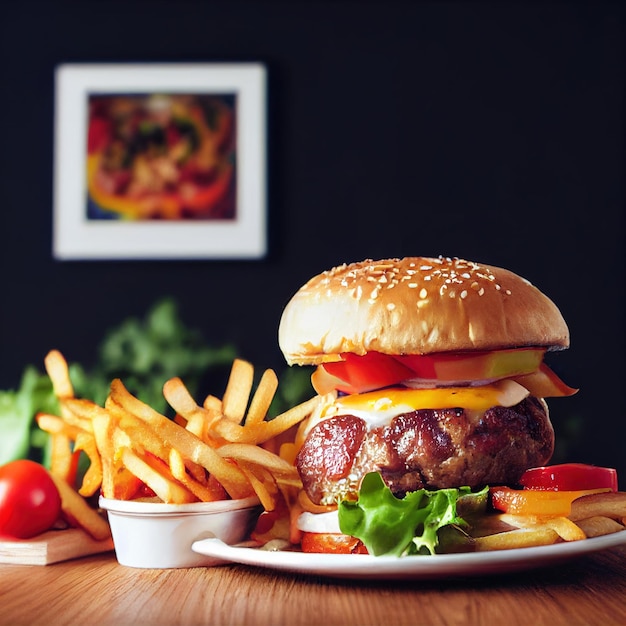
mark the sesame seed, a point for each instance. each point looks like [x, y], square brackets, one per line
[463, 294]
[423, 293]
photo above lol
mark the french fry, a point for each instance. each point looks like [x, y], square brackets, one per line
[610, 504]
[57, 370]
[201, 490]
[55, 425]
[212, 403]
[166, 488]
[519, 538]
[85, 410]
[179, 398]
[198, 419]
[117, 481]
[563, 527]
[263, 431]
[566, 529]
[78, 512]
[250, 454]
[103, 436]
[79, 412]
[92, 480]
[599, 525]
[265, 490]
[188, 444]
[140, 434]
[196, 425]
[63, 462]
[238, 389]
[262, 398]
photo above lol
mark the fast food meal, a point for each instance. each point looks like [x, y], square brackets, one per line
[427, 433]
[434, 376]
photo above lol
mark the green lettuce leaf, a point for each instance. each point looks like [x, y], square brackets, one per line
[18, 408]
[398, 527]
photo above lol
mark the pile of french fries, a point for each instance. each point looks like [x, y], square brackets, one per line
[208, 452]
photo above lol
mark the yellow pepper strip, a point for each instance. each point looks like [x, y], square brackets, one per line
[536, 502]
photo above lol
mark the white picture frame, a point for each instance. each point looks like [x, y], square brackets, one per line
[77, 235]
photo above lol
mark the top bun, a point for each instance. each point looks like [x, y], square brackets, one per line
[416, 305]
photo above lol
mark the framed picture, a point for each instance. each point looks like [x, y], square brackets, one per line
[160, 161]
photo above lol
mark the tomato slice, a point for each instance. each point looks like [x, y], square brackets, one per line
[331, 543]
[570, 477]
[374, 370]
[535, 501]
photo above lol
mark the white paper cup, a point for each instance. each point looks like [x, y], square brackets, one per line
[150, 534]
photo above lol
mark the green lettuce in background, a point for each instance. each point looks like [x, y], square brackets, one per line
[19, 435]
[144, 353]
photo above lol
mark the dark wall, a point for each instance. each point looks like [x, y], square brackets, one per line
[491, 131]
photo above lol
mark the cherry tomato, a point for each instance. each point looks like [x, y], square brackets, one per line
[535, 501]
[29, 500]
[570, 477]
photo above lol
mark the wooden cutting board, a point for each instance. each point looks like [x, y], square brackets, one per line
[51, 547]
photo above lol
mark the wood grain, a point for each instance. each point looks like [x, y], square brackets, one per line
[97, 590]
[52, 547]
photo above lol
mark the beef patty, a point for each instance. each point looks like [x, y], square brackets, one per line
[432, 449]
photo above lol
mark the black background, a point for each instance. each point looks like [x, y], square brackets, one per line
[490, 131]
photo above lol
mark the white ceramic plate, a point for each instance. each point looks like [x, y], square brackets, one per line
[412, 567]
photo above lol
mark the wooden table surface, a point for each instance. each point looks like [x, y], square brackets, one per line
[97, 590]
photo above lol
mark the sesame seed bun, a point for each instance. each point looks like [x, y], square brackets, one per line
[416, 305]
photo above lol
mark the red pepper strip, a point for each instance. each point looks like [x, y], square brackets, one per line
[570, 477]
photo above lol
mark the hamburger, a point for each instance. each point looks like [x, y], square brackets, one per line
[434, 380]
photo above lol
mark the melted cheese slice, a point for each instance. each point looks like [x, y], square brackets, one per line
[378, 408]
